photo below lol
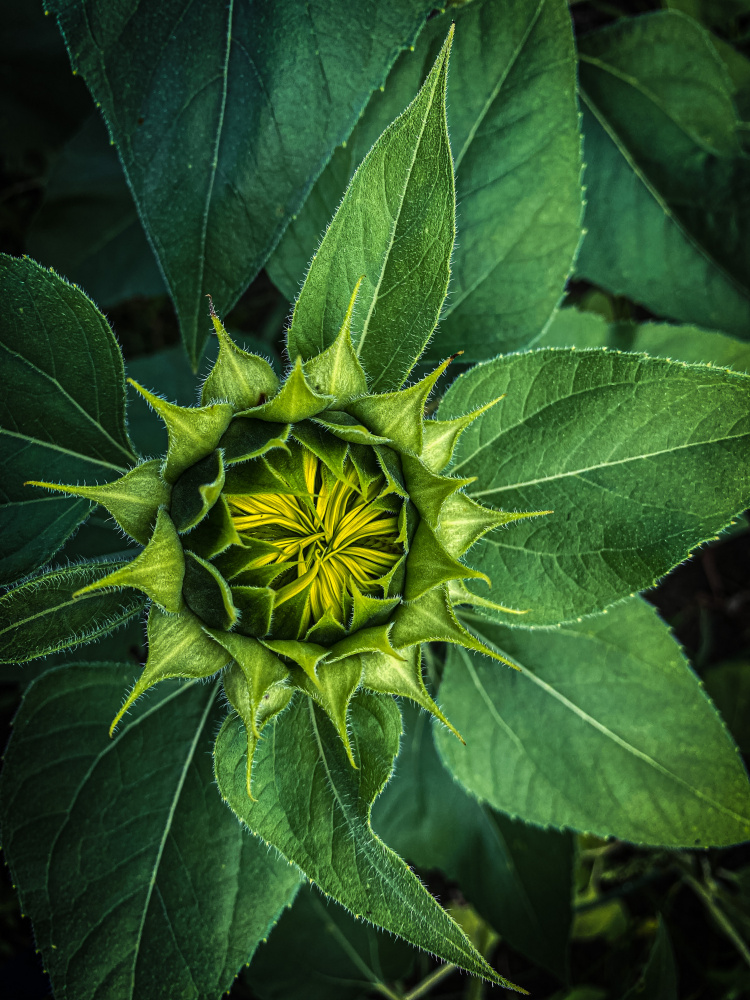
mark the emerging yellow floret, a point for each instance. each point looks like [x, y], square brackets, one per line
[324, 541]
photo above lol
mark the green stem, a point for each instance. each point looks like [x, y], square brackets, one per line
[432, 980]
[719, 916]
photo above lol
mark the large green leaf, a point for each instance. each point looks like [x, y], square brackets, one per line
[517, 876]
[668, 186]
[62, 410]
[571, 328]
[604, 728]
[138, 880]
[639, 459]
[41, 616]
[394, 230]
[224, 115]
[88, 227]
[513, 125]
[314, 807]
[336, 956]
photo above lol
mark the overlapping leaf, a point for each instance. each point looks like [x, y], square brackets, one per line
[514, 134]
[62, 413]
[668, 184]
[326, 831]
[517, 876]
[218, 142]
[639, 459]
[164, 893]
[604, 728]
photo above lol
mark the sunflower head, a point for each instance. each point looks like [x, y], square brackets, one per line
[299, 536]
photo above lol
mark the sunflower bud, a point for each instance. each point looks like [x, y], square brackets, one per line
[299, 536]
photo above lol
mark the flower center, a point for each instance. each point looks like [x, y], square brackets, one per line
[329, 541]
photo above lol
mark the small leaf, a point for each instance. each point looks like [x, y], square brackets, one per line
[614, 689]
[41, 616]
[430, 565]
[237, 377]
[329, 836]
[428, 491]
[177, 647]
[146, 900]
[393, 231]
[158, 571]
[333, 688]
[640, 460]
[133, 500]
[56, 348]
[441, 436]
[245, 439]
[464, 521]
[336, 371]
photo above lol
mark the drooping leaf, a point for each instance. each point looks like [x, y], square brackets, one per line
[517, 876]
[327, 832]
[613, 691]
[513, 126]
[393, 232]
[41, 616]
[336, 956]
[62, 413]
[88, 227]
[164, 892]
[667, 181]
[640, 460]
[218, 144]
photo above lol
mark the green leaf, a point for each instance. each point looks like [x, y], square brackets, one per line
[217, 141]
[639, 459]
[327, 833]
[728, 684]
[613, 689]
[667, 183]
[513, 124]
[237, 377]
[517, 876]
[88, 227]
[41, 616]
[138, 880]
[571, 328]
[336, 956]
[62, 412]
[393, 232]
[659, 979]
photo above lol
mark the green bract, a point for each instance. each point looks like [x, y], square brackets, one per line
[298, 536]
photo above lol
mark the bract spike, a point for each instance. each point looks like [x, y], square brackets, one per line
[237, 377]
[177, 647]
[193, 431]
[441, 436]
[427, 490]
[428, 564]
[337, 371]
[294, 401]
[463, 522]
[132, 500]
[157, 572]
[336, 684]
[399, 415]
[196, 491]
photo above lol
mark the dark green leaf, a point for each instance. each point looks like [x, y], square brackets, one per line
[639, 459]
[62, 412]
[659, 979]
[513, 125]
[224, 115]
[571, 328]
[41, 616]
[605, 729]
[335, 956]
[729, 686]
[668, 187]
[138, 880]
[518, 877]
[326, 831]
[394, 230]
[88, 227]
